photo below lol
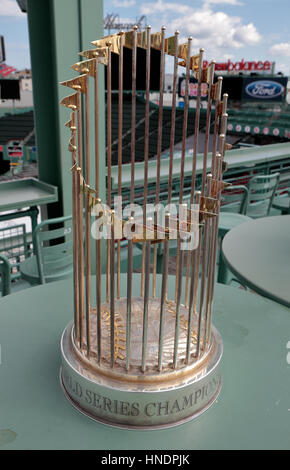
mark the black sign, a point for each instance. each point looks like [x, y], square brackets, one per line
[2, 50]
[140, 71]
[233, 86]
[264, 89]
[9, 89]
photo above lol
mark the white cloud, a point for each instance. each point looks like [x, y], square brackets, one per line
[10, 8]
[124, 3]
[284, 68]
[161, 7]
[216, 31]
[228, 2]
[246, 34]
[282, 49]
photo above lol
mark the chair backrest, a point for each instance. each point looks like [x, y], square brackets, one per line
[5, 275]
[14, 246]
[261, 193]
[54, 248]
[234, 199]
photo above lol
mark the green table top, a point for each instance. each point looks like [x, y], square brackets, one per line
[17, 194]
[251, 412]
[282, 203]
[258, 253]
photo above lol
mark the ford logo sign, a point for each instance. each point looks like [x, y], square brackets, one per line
[264, 89]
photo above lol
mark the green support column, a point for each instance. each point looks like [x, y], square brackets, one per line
[58, 31]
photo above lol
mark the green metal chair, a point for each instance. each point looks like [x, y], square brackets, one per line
[54, 253]
[234, 203]
[5, 276]
[233, 207]
[15, 246]
[261, 194]
[282, 203]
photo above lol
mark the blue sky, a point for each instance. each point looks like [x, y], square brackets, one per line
[235, 29]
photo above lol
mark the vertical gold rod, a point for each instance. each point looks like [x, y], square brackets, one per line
[88, 269]
[184, 134]
[75, 232]
[196, 125]
[98, 242]
[213, 259]
[129, 297]
[112, 292]
[195, 289]
[207, 129]
[211, 269]
[216, 124]
[146, 301]
[204, 265]
[218, 175]
[185, 119]
[190, 312]
[75, 256]
[188, 257]
[223, 128]
[159, 148]
[178, 302]
[146, 145]
[88, 220]
[208, 280]
[77, 181]
[173, 121]
[196, 273]
[87, 117]
[80, 256]
[212, 222]
[214, 252]
[194, 156]
[109, 154]
[97, 157]
[133, 112]
[173, 118]
[130, 250]
[163, 295]
[120, 143]
[81, 221]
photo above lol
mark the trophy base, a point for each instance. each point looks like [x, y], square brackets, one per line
[140, 401]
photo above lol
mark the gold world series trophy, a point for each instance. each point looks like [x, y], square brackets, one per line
[141, 351]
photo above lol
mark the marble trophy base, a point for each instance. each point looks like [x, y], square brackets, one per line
[136, 399]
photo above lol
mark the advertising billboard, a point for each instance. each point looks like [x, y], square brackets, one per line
[264, 89]
[192, 88]
[261, 66]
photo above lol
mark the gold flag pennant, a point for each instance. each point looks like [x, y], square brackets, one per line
[86, 66]
[101, 54]
[71, 122]
[78, 83]
[218, 186]
[214, 92]
[155, 40]
[205, 76]
[70, 101]
[183, 51]
[71, 146]
[112, 41]
[170, 45]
